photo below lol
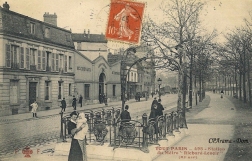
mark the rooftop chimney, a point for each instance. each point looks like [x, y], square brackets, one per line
[88, 33]
[6, 6]
[50, 18]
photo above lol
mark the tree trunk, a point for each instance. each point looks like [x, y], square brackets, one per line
[200, 88]
[179, 91]
[196, 91]
[249, 85]
[225, 82]
[191, 84]
[240, 86]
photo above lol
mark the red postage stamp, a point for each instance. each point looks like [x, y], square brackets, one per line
[125, 21]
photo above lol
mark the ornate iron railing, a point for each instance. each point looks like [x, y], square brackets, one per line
[105, 126]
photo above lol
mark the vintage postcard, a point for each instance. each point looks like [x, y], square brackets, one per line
[145, 80]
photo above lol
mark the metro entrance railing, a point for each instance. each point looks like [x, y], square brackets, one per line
[105, 126]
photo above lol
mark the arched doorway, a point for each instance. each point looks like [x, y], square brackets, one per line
[102, 79]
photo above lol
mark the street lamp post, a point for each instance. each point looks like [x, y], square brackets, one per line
[124, 73]
[159, 84]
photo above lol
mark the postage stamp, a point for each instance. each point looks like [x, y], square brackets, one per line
[125, 21]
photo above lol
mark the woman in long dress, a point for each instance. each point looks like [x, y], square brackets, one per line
[78, 146]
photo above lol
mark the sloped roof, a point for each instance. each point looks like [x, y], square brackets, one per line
[97, 38]
[19, 25]
[82, 55]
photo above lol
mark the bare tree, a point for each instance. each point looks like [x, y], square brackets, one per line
[180, 26]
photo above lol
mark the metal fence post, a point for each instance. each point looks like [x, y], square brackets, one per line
[164, 135]
[144, 144]
[61, 125]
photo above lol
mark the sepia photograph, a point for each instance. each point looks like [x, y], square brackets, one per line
[125, 80]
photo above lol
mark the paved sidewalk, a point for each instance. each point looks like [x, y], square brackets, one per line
[205, 129]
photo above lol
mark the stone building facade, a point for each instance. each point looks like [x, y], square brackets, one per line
[94, 76]
[37, 63]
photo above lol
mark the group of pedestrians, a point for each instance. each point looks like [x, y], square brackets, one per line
[156, 109]
[74, 103]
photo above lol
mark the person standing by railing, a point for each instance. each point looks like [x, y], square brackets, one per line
[154, 115]
[76, 153]
[154, 102]
[125, 116]
[160, 108]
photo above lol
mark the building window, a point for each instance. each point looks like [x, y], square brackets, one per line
[65, 63]
[61, 63]
[13, 92]
[135, 80]
[86, 91]
[14, 56]
[114, 90]
[48, 59]
[32, 28]
[60, 90]
[47, 32]
[33, 56]
[70, 62]
[70, 89]
[47, 90]
[22, 58]
[131, 78]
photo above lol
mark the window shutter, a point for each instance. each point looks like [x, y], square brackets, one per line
[43, 60]
[39, 60]
[65, 63]
[57, 62]
[21, 57]
[27, 58]
[53, 62]
[8, 55]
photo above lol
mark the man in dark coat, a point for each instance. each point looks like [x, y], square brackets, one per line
[125, 116]
[74, 102]
[154, 102]
[153, 115]
[63, 105]
[80, 100]
[160, 108]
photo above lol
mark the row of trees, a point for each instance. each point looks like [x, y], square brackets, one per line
[235, 61]
[180, 44]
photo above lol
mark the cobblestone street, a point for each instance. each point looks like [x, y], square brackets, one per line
[34, 132]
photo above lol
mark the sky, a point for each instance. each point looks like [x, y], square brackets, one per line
[92, 14]
[77, 15]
